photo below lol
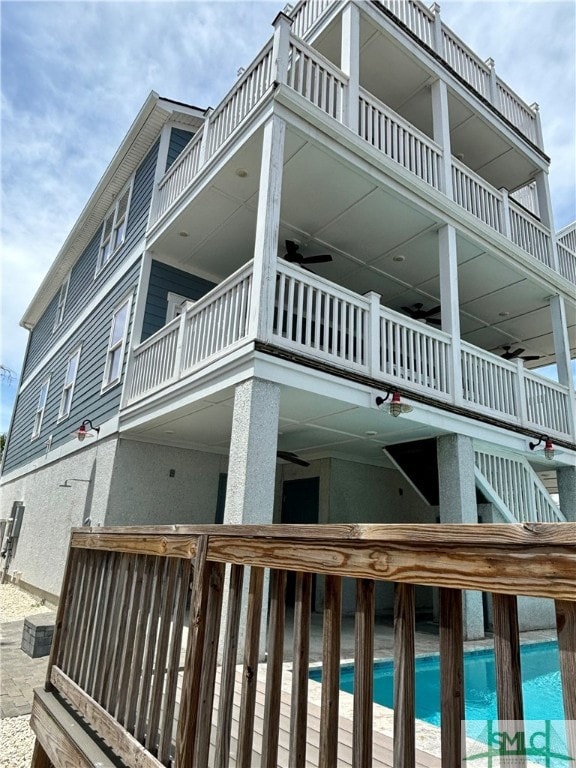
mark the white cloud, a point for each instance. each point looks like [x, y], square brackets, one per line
[74, 75]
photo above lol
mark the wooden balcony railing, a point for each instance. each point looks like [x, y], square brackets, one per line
[145, 678]
[322, 320]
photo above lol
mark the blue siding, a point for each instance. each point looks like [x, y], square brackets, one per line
[178, 140]
[163, 280]
[88, 402]
[83, 284]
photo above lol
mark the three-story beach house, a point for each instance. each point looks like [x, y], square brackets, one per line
[321, 301]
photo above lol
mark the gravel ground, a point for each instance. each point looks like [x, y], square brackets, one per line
[16, 737]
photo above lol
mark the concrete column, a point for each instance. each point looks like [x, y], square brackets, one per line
[267, 228]
[448, 258]
[458, 505]
[441, 124]
[350, 62]
[253, 445]
[566, 477]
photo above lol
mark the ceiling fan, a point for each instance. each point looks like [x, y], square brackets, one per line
[512, 354]
[417, 312]
[293, 457]
[294, 256]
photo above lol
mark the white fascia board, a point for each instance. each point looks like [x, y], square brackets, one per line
[138, 140]
[89, 308]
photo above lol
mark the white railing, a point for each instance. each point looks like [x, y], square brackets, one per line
[567, 237]
[179, 175]
[215, 323]
[399, 140]
[241, 99]
[566, 262]
[319, 316]
[476, 196]
[527, 197]
[547, 404]
[530, 235]
[219, 321]
[418, 18]
[515, 489]
[306, 13]
[413, 353]
[489, 382]
[154, 361]
[317, 79]
[466, 63]
[516, 111]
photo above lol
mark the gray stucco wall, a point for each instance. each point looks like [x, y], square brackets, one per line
[51, 510]
[143, 493]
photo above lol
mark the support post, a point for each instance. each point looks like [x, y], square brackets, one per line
[205, 138]
[457, 486]
[505, 226]
[562, 355]
[493, 84]
[281, 47]
[350, 63]
[267, 228]
[441, 123]
[438, 37]
[448, 258]
[546, 215]
[374, 348]
[566, 477]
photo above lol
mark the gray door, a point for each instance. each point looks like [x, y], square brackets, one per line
[300, 502]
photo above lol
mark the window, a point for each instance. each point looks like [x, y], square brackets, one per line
[69, 381]
[176, 305]
[42, 397]
[116, 344]
[114, 229]
[62, 301]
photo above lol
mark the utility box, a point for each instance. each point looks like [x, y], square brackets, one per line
[37, 634]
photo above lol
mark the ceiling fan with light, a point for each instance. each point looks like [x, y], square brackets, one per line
[292, 457]
[513, 354]
[417, 312]
[294, 256]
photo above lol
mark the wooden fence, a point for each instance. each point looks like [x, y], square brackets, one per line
[117, 660]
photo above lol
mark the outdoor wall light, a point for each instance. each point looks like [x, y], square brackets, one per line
[548, 447]
[395, 407]
[85, 429]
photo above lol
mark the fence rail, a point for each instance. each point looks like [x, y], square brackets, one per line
[530, 235]
[547, 403]
[489, 382]
[464, 61]
[566, 262]
[145, 677]
[476, 196]
[317, 79]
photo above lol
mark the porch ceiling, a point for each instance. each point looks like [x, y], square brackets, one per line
[311, 425]
[378, 241]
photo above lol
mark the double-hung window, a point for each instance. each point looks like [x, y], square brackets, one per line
[40, 408]
[69, 382]
[116, 344]
[114, 229]
[61, 306]
[176, 305]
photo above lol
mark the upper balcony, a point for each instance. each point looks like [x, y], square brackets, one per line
[500, 194]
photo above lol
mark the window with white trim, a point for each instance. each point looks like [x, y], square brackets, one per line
[61, 306]
[176, 305]
[69, 382]
[116, 344]
[40, 408]
[114, 229]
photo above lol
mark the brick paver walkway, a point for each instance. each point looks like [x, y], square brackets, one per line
[19, 674]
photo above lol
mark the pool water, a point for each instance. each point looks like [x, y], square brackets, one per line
[541, 684]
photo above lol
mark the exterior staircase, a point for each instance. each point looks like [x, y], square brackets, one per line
[515, 489]
[507, 482]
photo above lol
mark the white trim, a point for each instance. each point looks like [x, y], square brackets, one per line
[40, 409]
[176, 305]
[61, 304]
[117, 347]
[96, 300]
[109, 235]
[69, 386]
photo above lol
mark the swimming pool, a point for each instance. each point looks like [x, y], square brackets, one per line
[540, 684]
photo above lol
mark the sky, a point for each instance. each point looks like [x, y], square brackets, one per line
[74, 75]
